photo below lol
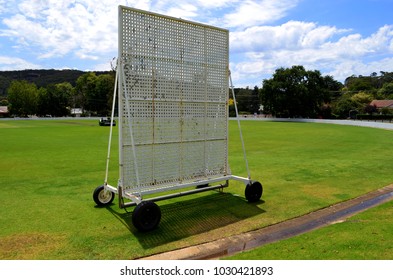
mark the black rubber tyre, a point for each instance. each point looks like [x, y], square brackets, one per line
[146, 216]
[102, 197]
[253, 191]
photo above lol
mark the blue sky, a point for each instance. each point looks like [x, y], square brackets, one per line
[337, 37]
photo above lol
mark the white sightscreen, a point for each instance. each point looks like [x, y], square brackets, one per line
[173, 100]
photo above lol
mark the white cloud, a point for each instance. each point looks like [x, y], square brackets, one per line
[347, 68]
[56, 28]
[87, 30]
[313, 46]
[183, 10]
[290, 35]
[215, 3]
[105, 65]
[355, 46]
[6, 6]
[15, 63]
[249, 13]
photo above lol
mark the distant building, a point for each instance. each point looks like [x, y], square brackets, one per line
[380, 104]
[4, 111]
[76, 112]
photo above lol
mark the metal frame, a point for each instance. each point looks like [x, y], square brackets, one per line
[173, 82]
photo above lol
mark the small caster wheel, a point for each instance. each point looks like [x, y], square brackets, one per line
[253, 191]
[103, 197]
[146, 216]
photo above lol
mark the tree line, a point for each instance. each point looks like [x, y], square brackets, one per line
[291, 92]
[299, 93]
[90, 91]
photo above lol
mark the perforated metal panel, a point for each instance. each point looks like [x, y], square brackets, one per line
[173, 101]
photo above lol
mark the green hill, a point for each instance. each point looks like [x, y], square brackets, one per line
[41, 78]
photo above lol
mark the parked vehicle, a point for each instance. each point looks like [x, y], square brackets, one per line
[106, 122]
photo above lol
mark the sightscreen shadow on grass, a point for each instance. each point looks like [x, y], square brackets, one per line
[192, 216]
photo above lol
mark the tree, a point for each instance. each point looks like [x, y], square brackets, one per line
[361, 83]
[362, 98]
[386, 77]
[334, 87]
[4, 84]
[85, 91]
[104, 93]
[254, 101]
[368, 83]
[247, 100]
[361, 102]
[43, 102]
[54, 99]
[295, 92]
[94, 93]
[344, 106]
[386, 92]
[65, 91]
[23, 98]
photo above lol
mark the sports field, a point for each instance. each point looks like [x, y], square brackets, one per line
[49, 169]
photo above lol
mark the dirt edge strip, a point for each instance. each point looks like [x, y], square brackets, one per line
[286, 229]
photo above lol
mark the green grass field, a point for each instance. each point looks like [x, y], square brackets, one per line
[49, 169]
[365, 236]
